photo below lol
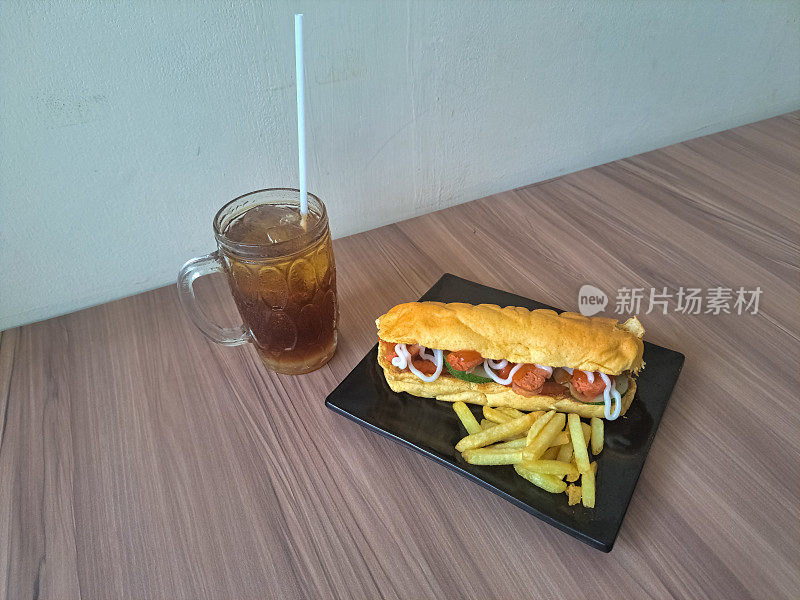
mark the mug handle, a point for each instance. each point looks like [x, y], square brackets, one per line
[191, 270]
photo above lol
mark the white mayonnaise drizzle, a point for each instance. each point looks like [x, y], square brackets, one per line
[608, 393]
[403, 360]
[487, 367]
[400, 361]
[423, 352]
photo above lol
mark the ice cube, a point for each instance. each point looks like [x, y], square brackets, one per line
[291, 217]
[283, 233]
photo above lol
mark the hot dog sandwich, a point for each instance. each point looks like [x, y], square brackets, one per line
[528, 360]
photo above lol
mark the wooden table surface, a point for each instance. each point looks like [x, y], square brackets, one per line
[138, 460]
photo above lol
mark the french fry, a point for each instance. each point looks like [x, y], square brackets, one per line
[548, 483]
[573, 477]
[466, 417]
[516, 444]
[550, 453]
[511, 412]
[541, 442]
[565, 453]
[492, 456]
[501, 432]
[587, 433]
[597, 435]
[587, 486]
[550, 467]
[537, 414]
[538, 424]
[545, 448]
[561, 439]
[573, 494]
[492, 414]
[578, 442]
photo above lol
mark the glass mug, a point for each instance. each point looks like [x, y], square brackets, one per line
[281, 275]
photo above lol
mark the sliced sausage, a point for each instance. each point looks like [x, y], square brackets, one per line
[464, 360]
[530, 378]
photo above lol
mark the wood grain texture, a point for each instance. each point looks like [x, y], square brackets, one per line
[138, 460]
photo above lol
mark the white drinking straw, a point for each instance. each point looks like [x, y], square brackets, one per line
[301, 116]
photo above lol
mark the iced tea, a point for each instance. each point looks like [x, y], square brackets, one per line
[283, 279]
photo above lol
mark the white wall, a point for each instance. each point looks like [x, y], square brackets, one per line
[124, 126]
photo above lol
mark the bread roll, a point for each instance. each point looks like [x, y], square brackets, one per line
[518, 335]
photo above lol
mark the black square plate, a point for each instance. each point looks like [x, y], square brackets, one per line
[432, 428]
